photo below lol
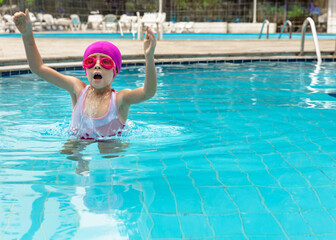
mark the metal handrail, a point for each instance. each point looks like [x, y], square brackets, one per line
[290, 27]
[262, 28]
[120, 29]
[303, 33]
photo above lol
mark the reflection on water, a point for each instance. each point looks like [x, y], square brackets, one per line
[321, 82]
[84, 205]
[113, 210]
[74, 149]
[103, 205]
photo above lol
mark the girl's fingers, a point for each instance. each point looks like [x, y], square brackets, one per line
[27, 14]
[17, 15]
[149, 31]
[152, 37]
[150, 34]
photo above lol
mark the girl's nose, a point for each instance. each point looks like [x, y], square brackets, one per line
[97, 66]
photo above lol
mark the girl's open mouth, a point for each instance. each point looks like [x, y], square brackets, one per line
[97, 76]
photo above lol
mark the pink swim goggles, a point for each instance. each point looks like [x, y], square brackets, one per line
[105, 62]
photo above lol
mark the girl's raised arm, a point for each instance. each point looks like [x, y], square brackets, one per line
[71, 84]
[146, 92]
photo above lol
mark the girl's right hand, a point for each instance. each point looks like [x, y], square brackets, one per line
[22, 22]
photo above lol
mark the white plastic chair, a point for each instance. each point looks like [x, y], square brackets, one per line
[63, 23]
[95, 21]
[2, 24]
[184, 27]
[110, 23]
[168, 27]
[9, 23]
[155, 21]
[75, 22]
[189, 27]
[127, 22]
[49, 22]
[37, 24]
[179, 27]
[150, 20]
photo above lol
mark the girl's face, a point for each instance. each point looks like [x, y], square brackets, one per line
[98, 74]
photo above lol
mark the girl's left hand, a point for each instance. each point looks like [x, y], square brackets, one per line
[149, 43]
[23, 22]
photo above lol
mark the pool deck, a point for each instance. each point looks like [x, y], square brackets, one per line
[68, 52]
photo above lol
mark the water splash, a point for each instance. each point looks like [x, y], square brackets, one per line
[59, 129]
[134, 130]
[138, 130]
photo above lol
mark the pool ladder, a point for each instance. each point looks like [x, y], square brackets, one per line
[262, 28]
[120, 29]
[303, 33]
[282, 30]
[290, 28]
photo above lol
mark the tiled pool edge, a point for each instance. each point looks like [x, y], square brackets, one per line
[24, 69]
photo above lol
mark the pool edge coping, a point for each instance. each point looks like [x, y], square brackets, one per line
[166, 59]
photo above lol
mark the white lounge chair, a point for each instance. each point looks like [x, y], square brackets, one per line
[75, 22]
[110, 23]
[168, 27]
[184, 27]
[2, 24]
[95, 21]
[154, 21]
[128, 24]
[149, 19]
[189, 27]
[48, 22]
[37, 24]
[39, 16]
[9, 23]
[63, 23]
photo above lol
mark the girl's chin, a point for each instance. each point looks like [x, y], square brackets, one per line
[97, 80]
[98, 85]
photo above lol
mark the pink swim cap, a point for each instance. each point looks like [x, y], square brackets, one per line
[105, 48]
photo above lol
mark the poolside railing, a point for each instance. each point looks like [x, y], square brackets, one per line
[262, 28]
[303, 33]
[120, 29]
[290, 28]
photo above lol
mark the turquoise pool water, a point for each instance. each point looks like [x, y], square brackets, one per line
[173, 36]
[223, 151]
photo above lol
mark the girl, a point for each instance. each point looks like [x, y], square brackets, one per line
[98, 111]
